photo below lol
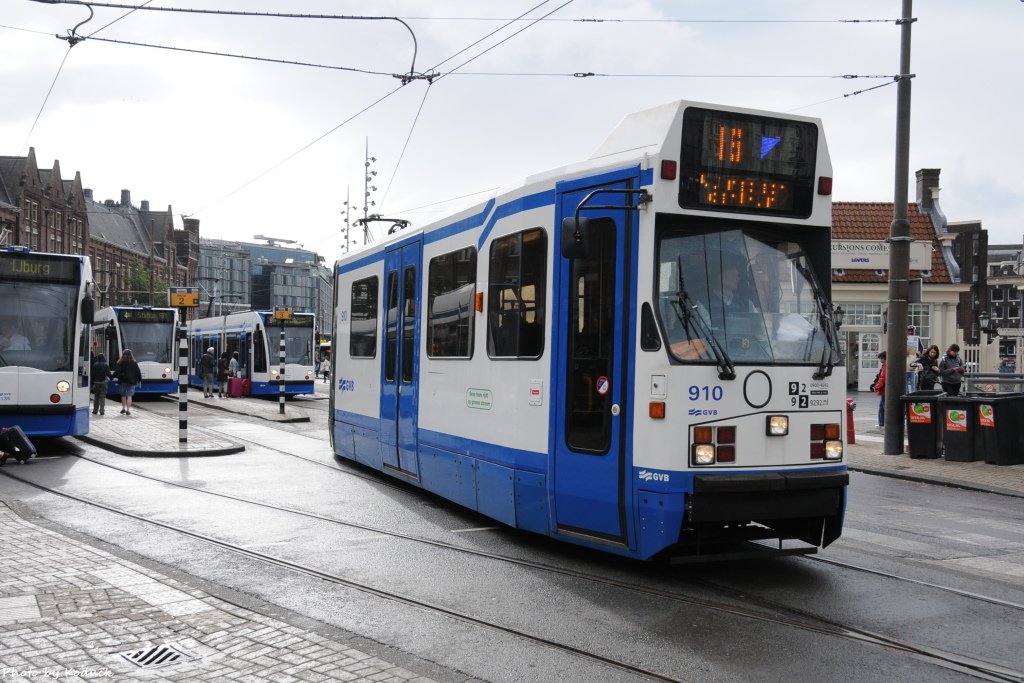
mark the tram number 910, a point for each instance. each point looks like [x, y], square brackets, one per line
[705, 393]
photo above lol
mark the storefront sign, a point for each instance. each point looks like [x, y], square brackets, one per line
[874, 255]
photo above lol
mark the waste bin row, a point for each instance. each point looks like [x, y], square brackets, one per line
[987, 427]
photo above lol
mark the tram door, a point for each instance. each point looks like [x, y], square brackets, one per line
[399, 401]
[591, 394]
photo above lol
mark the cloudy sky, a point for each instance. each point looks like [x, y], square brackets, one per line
[251, 147]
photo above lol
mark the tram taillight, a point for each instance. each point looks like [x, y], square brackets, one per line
[825, 442]
[713, 444]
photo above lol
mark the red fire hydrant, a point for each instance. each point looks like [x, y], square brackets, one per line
[851, 434]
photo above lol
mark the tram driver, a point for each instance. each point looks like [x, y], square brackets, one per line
[11, 339]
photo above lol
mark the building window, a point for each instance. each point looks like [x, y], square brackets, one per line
[515, 294]
[864, 315]
[995, 294]
[451, 290]
[920, 316]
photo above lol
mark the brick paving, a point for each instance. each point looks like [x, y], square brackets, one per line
[68, 611]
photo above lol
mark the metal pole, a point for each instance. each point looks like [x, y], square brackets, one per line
[899, 252]
[280, 386]
[182, 378]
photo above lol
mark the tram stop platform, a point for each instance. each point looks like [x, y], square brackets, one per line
[144, 433]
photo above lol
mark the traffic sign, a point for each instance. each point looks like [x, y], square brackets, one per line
[282, 313]
[183, 297]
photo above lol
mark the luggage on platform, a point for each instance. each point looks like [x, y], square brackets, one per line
[246, 387]
[235, 387]
[14, 444]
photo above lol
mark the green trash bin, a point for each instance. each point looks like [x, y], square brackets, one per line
[959, 415]
[1000, 418]
[921, 409]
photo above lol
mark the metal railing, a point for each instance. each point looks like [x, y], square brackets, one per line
[993, 383]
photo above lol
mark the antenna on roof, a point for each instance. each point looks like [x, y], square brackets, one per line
[274, 240]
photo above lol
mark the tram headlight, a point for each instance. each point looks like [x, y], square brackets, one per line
[777, 425]
[833, 450]
[63, 386]
[703, 454]
[167, 371]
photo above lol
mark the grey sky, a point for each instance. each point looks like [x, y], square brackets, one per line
[220, 138]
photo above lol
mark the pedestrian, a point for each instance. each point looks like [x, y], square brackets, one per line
[99, 373]
[325, 370]
[914, 350]
[129, 376]
[951, 371]
[233, 366]
[929, 375]
[223, 364]
[207, 365]
[878, 386]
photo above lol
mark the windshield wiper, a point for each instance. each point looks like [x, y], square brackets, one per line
[691, 319]
[828, 360]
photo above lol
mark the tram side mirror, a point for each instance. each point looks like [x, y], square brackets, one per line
[88, 310]
[575, 237]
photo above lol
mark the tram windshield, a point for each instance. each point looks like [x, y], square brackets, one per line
[149, 341]
[39, 330]
[755, 294]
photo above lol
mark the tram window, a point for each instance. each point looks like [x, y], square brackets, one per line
[408, 323]
[391, 334]
[516, 294]
[451, 286]
[362, 341]
[259, 351]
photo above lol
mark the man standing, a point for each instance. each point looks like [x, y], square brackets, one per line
[207, 366]
[914, 349]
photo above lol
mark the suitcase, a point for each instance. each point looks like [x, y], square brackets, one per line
[235, 387]
[246, 387]
[14, 443]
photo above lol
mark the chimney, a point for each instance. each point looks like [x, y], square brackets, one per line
[927, 179]
[191, 225]
[88, 193]
[144, 205]
[126, 198]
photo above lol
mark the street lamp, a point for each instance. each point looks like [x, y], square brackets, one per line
[837, 316]
[983, 322]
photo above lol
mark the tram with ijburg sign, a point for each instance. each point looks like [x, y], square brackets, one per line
[635, 353]
[150, 333]
[44, 342]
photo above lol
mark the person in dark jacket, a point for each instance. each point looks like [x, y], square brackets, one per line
[99, 373]
[951, 370]
[929, 362]
[223, 372]
[129, 376]
[207, 367]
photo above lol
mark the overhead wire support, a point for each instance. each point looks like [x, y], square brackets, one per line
[412, 75]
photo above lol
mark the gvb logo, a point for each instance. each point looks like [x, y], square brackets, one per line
[652, 476]
[698, 412]
[346, 385]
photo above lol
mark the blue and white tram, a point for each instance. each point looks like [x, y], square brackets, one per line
[635, 353]
[256, 335]
[150, 334]
[44, 342]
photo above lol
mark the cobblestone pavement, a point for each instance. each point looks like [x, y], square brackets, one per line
[69, 612]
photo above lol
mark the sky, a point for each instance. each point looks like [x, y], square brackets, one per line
[256, 148]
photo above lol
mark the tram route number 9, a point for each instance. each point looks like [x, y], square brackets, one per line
[705, 393]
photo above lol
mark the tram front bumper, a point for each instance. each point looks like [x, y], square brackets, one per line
[767, 496]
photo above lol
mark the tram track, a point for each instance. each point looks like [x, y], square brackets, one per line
[769, 611]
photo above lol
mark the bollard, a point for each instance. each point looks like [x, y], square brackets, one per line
[851, 434]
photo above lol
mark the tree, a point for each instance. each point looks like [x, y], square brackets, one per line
[137, 287]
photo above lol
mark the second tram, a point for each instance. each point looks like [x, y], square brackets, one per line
[150, 334]
[635, 353]
[44, 342]
[256, 336]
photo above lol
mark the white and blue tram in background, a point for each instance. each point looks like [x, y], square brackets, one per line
[44, 341]
[635, 353]
[256, 335]
[150, 333]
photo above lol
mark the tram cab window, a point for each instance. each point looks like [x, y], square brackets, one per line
[516, 294]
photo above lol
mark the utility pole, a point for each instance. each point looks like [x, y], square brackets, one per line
[368, 188]
[899, 252]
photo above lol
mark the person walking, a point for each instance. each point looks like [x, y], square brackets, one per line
[951, 370]
[207, 366]
[99, 372]
[129, 376]
[325, 370]
[878, 386]
[223, 371]
[929, 362]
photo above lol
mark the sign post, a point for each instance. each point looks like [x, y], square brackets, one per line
[282, 313]
[184, 298]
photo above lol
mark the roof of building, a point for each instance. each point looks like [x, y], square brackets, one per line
[872, 221]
